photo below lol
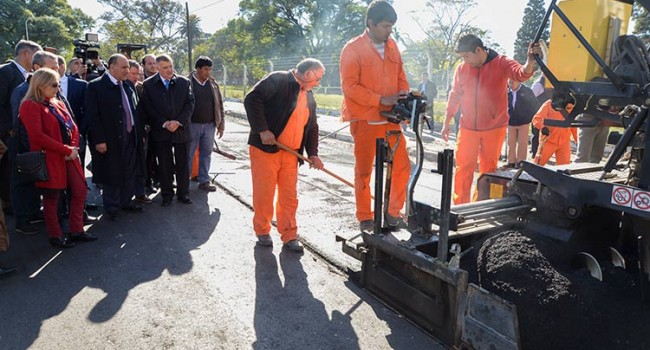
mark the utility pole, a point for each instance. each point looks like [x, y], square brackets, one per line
[189, 36]
[27, 29]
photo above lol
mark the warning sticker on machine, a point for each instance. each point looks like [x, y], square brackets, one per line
[622, 196]
[641, 200]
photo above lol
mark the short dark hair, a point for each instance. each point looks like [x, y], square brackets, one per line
[468, 43]
[144, 58]
[202, 61]
[380, 10]
[164, 57]
[134, 63]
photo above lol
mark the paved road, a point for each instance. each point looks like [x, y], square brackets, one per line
[191, 277]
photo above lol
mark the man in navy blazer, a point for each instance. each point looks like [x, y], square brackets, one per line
[74, 90]
[168, 102]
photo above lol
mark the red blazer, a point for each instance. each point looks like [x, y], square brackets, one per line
[44, 133]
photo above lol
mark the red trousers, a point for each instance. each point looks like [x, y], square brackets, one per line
[273, 171]
[472, 146]
[365, 136]
[78, 192]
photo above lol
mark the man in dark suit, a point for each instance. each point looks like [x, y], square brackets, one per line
[429, 89]
[115, 136]
[149, 69]
[24, 195]
[168, 102]
[12, 74]
[74, 90]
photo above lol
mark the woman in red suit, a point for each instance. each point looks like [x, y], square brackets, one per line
[50, 128]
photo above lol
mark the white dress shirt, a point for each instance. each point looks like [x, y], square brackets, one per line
[64, 85]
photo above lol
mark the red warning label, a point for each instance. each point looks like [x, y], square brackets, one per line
[622, 196]
[641, 200]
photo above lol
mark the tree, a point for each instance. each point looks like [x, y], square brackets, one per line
[533, 16]
[641, 18]
[52, 23]
[285, 31]
[448, 20]
[160, 24]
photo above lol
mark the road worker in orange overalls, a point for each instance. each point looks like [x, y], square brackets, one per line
[281, 108]
[480, 90]
[553, 140]
[372, 80]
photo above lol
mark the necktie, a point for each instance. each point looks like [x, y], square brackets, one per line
[127, 109]
[166, 84]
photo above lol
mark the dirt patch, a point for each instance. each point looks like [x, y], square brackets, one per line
[559, 307]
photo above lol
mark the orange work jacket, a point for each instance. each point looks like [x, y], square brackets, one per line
[557, 135]
[366, 77]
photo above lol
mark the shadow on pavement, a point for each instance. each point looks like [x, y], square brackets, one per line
[287, 316]
[396, 338]
[136, 249]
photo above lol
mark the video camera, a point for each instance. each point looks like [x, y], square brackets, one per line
[407, 107]
[86, 50]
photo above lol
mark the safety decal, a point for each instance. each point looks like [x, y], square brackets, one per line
[641, 200]
[622, 196]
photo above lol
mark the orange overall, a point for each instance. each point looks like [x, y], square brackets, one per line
[365, 78]
[558, 141]
[279, 171]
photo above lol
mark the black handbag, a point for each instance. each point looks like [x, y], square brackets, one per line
[31, 167]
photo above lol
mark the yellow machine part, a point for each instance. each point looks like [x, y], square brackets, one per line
[597, 21]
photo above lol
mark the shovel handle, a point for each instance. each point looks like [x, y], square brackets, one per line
[300, 156]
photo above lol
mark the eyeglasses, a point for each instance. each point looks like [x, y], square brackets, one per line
[55, 85]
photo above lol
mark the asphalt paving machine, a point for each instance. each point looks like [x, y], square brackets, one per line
[416, 270]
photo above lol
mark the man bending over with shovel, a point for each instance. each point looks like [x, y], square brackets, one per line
[281, 111]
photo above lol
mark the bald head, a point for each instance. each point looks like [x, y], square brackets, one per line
[118, 67]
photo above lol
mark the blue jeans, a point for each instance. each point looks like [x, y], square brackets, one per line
[203, 138]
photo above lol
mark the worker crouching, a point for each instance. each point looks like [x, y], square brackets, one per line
[553, 140]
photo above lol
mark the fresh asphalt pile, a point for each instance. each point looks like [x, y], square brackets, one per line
[559, 307]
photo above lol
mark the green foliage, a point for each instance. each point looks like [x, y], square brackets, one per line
[533, 16]
[285, 31]
[641, 21]
[160, 24]
[446, 21]
[52, 23]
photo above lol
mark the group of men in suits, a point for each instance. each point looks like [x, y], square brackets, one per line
[111, 113]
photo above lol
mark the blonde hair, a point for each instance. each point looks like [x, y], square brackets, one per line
[41, 79]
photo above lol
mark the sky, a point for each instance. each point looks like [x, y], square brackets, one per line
[502, 18]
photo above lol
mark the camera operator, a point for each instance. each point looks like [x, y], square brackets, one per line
[86, 51]
[373, 80]
[95, 67]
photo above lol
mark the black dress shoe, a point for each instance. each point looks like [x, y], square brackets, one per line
[7, 270]
[166, 202]
[111, 215]
[185, 200]
[82, 237]
[87, 219]
[143, 199]
[61, 242]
